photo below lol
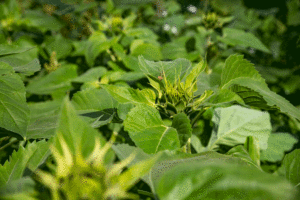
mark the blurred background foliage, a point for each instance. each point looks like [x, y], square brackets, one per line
[77, 39]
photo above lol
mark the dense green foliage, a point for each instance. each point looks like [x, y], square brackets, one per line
[144, 99]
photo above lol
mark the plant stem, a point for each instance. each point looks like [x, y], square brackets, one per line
[197, 117]
[145, 193]
[8, 144]
[4, 138]
[188, 146]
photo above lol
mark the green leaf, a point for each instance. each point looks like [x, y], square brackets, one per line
[44, 22]
[14, 111]
[182, 124]
[196, 143]
[172, 69]
[131, 62]
[130, 95]
[57, 81]
[79, 136]
[271, 98]
[254, 90]
[293, 16]
[240, 37]
[251, 97]
[235, 67]
[123, 151]
[193, 75]
[31, 156]
[142, 33]
[20, 57]
[92, 74]
[224, 96]
[291, 163]
[148, 132]
[136, 171]
[173, 51]
[29, 68]
[61, 46]
[227, 7]
[148, 50]
[278, 143]
[234, 124]
[221, 180]
[6, 49]
[242, 153]
[96, 44]
[122, 3]
[43, 119]
[23, 188]
[171, 160]
[97, 107]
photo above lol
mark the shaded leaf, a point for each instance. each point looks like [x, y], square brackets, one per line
[182, 124]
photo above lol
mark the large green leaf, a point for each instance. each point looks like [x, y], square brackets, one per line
[96, 44]
[254, 90]
[218, 179]
[131, 62]
[170, 159]
[18, 56]
[234, 124]
[58, 44]
[148, 50]
[148, 132]
[23, 188]
[29, 68]
[278, 143]
[291, 163]
[79, 136]
[57, 81]
[43, 119]
[14, 111]
[97, 107]
[21, 57]
[130, 95]
[240, 152]
[240, 37]
[172, 69]
[235, 67]
[6, 49]
[173, 51]
[182, 124]
[44, 22]
[92, 74]
[31, 156]
[271, 99]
